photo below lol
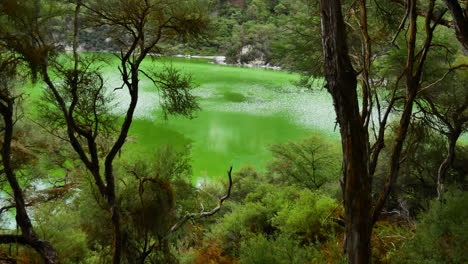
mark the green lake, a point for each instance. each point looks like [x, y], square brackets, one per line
[243, 111]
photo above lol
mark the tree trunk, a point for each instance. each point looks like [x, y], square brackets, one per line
[460, 20]
[28, 236]
[414, 69]
[117, 234]
[109, 170]
[342, 85]
[445, 165]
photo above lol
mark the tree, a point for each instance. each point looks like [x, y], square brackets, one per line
[342, 83]
[8, 104]
[310, 163]
[359, 157]
[139, 26]
[445, 106]
[460, 21]
[439, 222]
[459, 16]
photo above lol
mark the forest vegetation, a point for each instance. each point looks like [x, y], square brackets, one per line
[390, 186]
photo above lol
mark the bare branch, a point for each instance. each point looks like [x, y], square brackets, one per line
[400, 27]
[443, 76]
[189, 216]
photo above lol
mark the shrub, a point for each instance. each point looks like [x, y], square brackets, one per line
[310, 163]
[244, 222]
[61, 227]
[279, 250]
[441, 233]
[309, 216]
[212, 253]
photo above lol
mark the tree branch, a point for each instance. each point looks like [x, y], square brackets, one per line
[423, 13]
[460, 20]
[443, 76]
[13, 239]
[189, 216]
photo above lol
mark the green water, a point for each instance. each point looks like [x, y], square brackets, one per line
[243, 111]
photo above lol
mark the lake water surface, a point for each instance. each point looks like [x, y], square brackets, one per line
[243, 111]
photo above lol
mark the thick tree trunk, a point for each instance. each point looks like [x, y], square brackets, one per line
[342, 84]
[109, 171]
[360, 216]
[460, 19]
[117, 234]
[28, 236]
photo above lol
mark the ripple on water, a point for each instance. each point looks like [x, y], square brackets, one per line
[308, 109]
[148, 103]
[304, 108]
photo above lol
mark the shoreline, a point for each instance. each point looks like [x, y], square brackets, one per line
[219, 60]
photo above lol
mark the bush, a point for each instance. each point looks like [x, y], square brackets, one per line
[310, 163]
[58, 224]
[441, 233]
[279, 250]
[309, 216]
[244, 222]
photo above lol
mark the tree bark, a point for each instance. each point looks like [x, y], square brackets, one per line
[460, 19]
[28, 236]
[459, 22]
[414, 70]
[110, 195]
[446, 164]
[342, 85]
[423, 13]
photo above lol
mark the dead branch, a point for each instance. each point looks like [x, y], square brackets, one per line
[203, 213]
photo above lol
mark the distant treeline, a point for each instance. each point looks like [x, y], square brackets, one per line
[253, 31]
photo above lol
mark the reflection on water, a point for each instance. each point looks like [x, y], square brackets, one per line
[218, 139]
[243, 112]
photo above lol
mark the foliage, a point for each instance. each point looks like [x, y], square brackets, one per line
[211, 252]
[156, 193]
[288, 213]
[425, 150]
[279, 250]
[242, 223]
[246, 182]
[152, 195]
[176, 92]
[53, 224]
[310, 163]
[85, 89]
[250, 43]
[269, 214]
[441, 233]
[310, 216]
